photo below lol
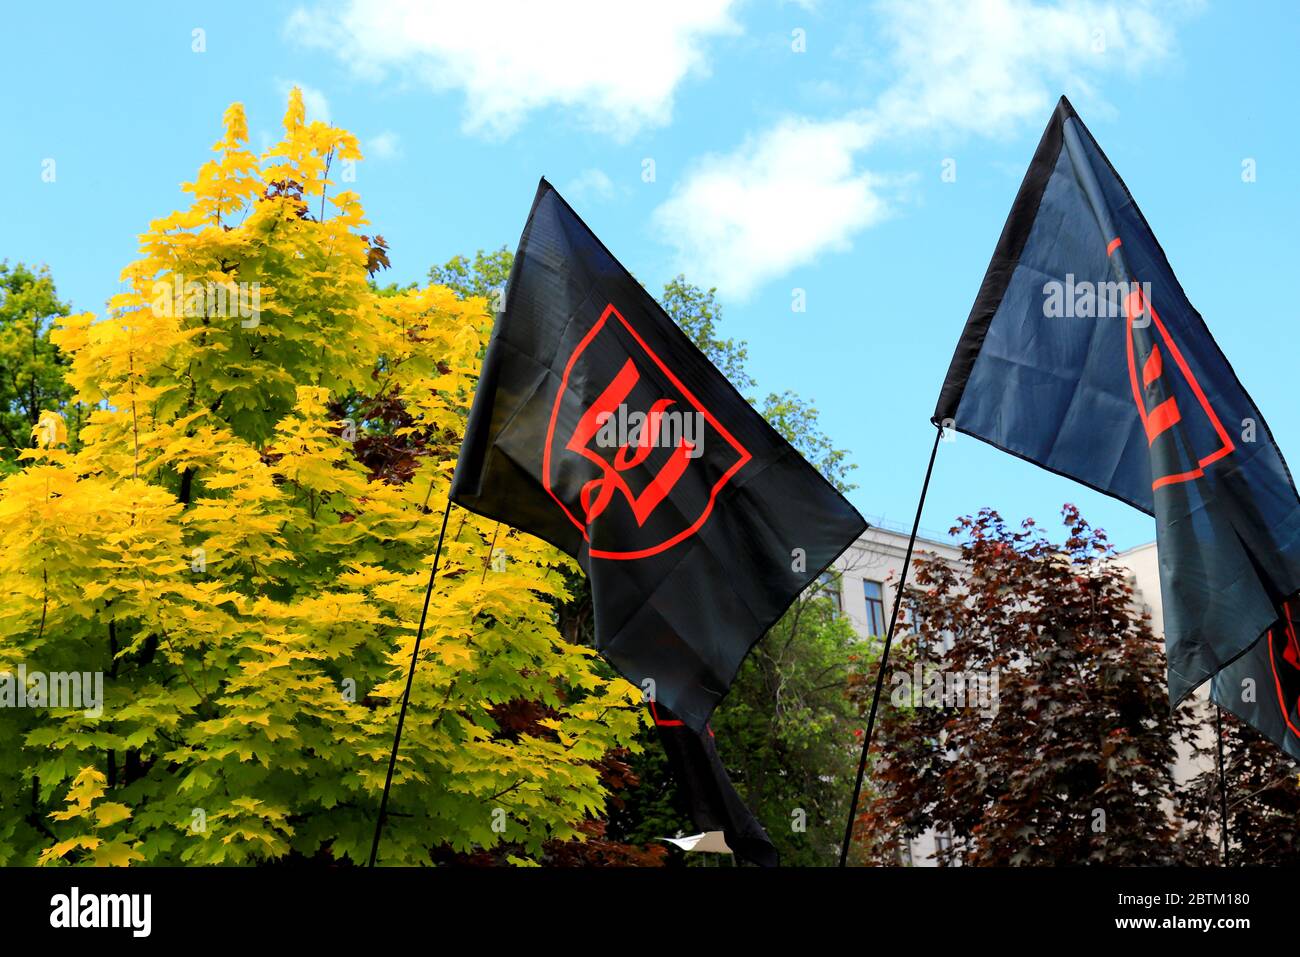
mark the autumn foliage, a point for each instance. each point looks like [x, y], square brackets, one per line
[239, 540]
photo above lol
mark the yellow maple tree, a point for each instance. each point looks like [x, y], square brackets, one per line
[238, 545]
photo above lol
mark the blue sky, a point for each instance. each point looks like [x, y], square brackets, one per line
[775, 168]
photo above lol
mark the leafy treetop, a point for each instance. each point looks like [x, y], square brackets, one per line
[240, 547]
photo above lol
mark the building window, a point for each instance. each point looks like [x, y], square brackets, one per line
[828, 586]
[915, 623]
[875, 593]
[904, 851]
[943, 841]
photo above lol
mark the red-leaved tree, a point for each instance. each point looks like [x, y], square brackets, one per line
[1057, 745]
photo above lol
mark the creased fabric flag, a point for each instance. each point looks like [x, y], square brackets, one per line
[1083, 355]
[600, 427]
[706, 788]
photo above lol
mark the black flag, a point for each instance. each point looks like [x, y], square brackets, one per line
[599, 427]
[1082, 354]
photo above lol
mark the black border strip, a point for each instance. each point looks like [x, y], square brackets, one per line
[1003, 265]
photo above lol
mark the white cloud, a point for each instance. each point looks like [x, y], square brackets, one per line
[384, 146]
[590, 185]
[774, 204]
[987, 67]
[957, 67]
[313, 100]
[618, 65]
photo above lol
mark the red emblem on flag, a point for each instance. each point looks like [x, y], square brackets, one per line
[629, 487]
[1157, 403]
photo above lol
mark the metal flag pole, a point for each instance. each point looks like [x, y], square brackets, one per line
[406, 695]
[884, 657]
[1223, 787]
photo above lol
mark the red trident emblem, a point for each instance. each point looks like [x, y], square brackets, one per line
[597, 494]
[642, 528]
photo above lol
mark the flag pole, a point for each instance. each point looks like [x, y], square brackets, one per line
[884, 657]
[406, 695]
[1223, 787]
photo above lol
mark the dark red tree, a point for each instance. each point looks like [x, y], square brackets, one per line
[1071, 761]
